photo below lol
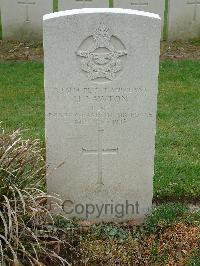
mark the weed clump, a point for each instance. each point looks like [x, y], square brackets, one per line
[28, 233]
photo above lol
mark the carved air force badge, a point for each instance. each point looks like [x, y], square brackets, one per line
[102, 56]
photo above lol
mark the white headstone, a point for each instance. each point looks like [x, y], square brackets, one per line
[76, 4]
[184, 19]
[154, 6]
[22, 19]
[101, 71]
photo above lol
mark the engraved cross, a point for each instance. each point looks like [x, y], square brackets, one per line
[196, 3]
[26, 3]
[100, 152]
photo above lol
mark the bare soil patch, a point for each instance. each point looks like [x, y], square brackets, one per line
[21, 51]
[24, 51]
[180, 50]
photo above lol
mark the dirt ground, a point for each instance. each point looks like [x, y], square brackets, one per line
[19, 51]
[180, 50]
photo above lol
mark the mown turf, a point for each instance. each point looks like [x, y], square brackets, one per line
[22, 98]
[177, 173]
[177, 164]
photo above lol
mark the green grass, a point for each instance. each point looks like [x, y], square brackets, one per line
[22, 97]
[195, 259]
[177, 164]
[178, 130]
[165, 215]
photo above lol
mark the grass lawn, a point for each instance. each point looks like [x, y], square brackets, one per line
[178, 128]
[22, 98]
[177, 173]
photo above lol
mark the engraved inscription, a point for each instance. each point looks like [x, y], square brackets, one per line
[83, 1]
[196, 4]
[100, 152]
[102, 56]
[27, 4]
[100, 102]
[138, 4]
[114, 119]
[100, 95]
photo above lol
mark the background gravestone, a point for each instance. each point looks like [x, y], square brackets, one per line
[22, 19]
[154, 6]
[101, 71]
[76, 4]
[184, 19]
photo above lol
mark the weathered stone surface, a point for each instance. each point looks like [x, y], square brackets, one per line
[184, 19]
[154, 6]
[22, 19]
[101, 70]
[76, 4]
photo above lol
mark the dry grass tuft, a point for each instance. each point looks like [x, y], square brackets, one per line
[28, 234]
[21, 163]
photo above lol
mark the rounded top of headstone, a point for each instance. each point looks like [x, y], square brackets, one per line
[100, 10]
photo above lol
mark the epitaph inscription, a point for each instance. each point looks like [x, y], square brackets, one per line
[104, 97]
[101, 60]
